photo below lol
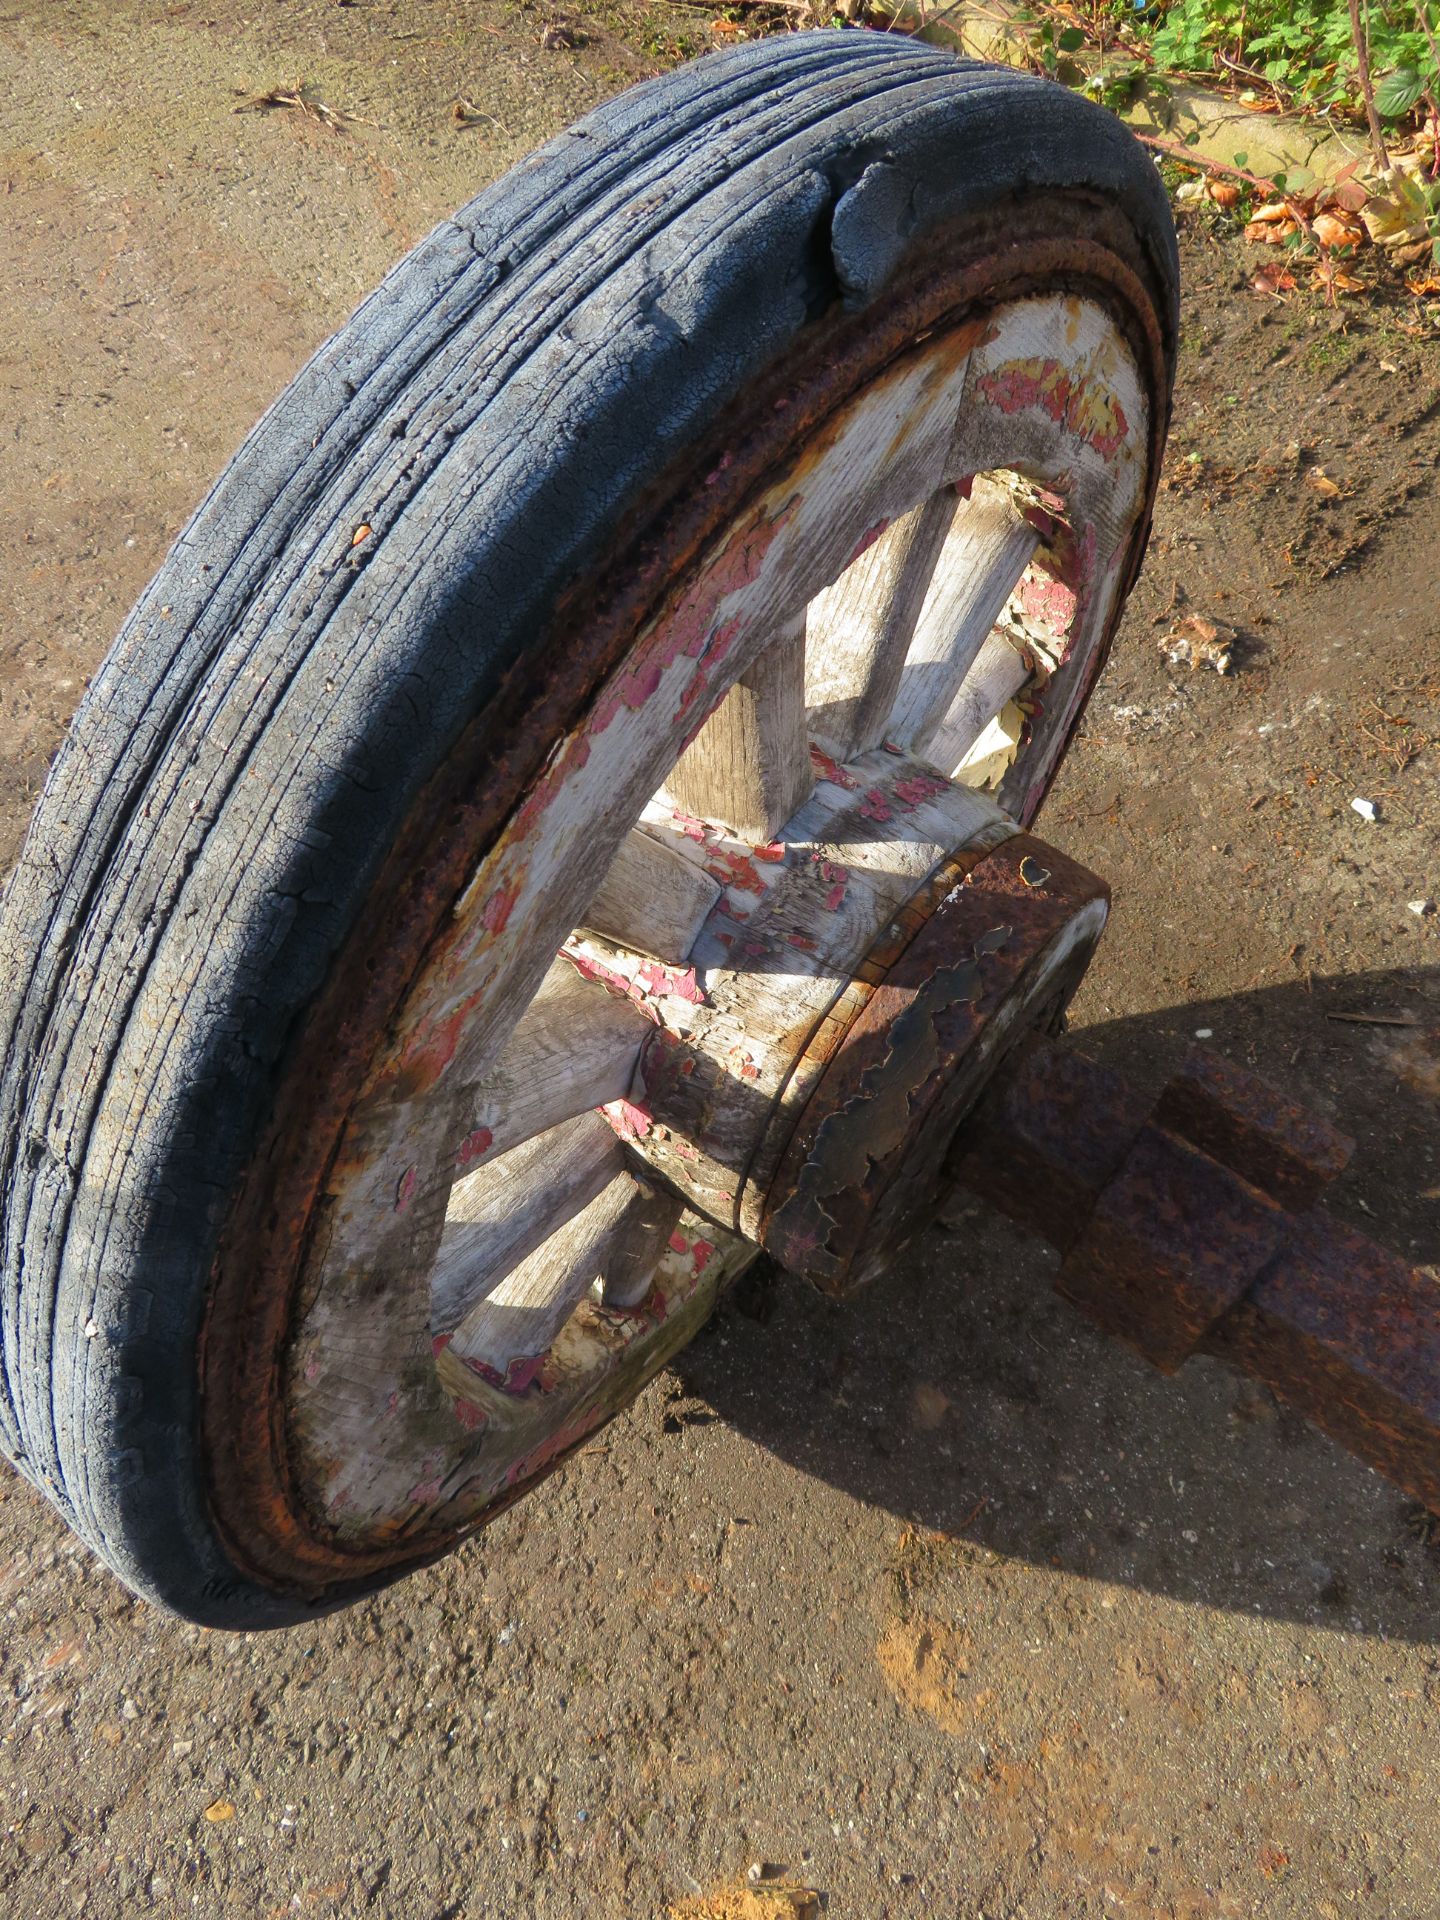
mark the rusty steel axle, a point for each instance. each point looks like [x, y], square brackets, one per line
[1192, 1228]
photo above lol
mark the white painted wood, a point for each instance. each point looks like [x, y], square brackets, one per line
[749, 767]
[988, 547]
[858, 631]
[514, 1326]
[1000, 671]
[502, 1213]
[574, 1047]
[653, 900]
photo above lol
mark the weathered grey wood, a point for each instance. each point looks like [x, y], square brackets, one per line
[1000, 671]
[508, 1333]
[750, 765]
[859, 630]
[653, 900]
[502, 1213]
[988, 548]
[640, 1239]
[574, 1047]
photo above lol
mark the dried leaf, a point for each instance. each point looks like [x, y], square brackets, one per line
[219, 1810]
[1198, 642]
[1328, 274]
[1320, 482]
[1397, 211]
[1337, 229]
[1273, 233]
[1224, 193]
[1273, 278]
[1272, 211]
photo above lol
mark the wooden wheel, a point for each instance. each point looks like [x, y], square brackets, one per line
[635, 641]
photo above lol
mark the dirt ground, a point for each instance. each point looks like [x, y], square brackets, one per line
[933, 1603]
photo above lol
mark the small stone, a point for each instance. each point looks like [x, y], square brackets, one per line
[1204, 1033]
[128, 1709]
[1421, 908]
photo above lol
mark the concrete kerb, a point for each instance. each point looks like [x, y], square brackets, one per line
[1308, 153]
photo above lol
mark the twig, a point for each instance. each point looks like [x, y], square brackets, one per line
[1361, 41]
[1422, 14]
[1378, 1019]
[1202, 165]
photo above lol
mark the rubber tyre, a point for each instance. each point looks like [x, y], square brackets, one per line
[214, 840]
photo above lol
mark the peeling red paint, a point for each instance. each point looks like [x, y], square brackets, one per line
[835, 897]
[874, 806]
[439, 1343]
[613, 980]
[678, 1243]
[681, 985]
[772, 851]
[965, 486]
[693, 829]
[919, 788]
[700, 1256]
[828, 769]
[735, 870]
[519, 1375]
[1047, 601]
[689, 629]
[473, 1146]
[630, 1121]
[802, 941]
[470, 1416]
[867, 539]
[405, 1192]
[498, 908]
[1086, 409]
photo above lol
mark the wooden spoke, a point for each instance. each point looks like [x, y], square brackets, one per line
[750, 766]
[653, 900]
[1000, 671]
[654, 1214]
[859, 630]
[501, 1213]
[574, 1047]
[507, 1335]
[988, 549]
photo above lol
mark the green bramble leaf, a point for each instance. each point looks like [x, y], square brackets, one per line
[1398, 92]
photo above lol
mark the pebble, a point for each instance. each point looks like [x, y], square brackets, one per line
[1420, 908]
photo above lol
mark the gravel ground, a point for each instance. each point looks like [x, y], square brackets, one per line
[933, 1602]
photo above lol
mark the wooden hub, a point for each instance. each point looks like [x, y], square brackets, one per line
[906, 935]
